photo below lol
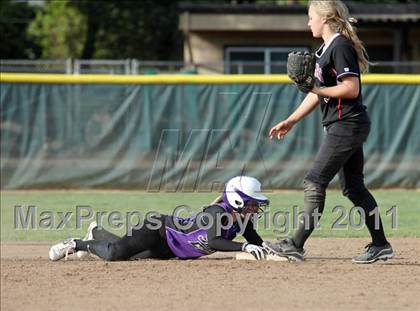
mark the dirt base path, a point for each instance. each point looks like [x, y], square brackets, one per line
[326, 281]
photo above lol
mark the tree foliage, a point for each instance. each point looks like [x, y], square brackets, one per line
[142, 29]
[14, 20]
[88, 29]
[60, 29]
[145, 29]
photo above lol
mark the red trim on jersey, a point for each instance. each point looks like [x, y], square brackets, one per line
[340, 112]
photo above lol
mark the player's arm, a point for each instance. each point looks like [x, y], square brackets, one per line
[218, 243]
[306, 107]
[251, 235]
[215, 239]
[349, 88]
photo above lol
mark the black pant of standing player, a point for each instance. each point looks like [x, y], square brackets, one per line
[341, 152]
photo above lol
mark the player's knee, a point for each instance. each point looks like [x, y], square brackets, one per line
[355, 193]
[113, 253]
[313, 189]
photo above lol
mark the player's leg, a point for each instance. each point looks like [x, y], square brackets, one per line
[352, 183]
[334, 152]
[100, 234]
[161, 251]
[139, 240]
[67, 247]
[149, 237]
[332, 155]
[95, 232]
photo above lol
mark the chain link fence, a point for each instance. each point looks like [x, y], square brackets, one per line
[134, 67]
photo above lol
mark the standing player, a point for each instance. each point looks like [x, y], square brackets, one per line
[167, 237]
[339, 61]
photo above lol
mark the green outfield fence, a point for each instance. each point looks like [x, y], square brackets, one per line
[187, 132]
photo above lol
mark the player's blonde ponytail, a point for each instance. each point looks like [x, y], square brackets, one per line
[337, 16]
[217, 200]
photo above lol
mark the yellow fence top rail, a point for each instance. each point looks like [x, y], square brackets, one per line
[184, 79]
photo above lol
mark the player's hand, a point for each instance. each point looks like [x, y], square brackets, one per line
[270, 248]
[281, 129]
[257, 251]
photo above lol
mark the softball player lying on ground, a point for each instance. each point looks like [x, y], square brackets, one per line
[241, 197]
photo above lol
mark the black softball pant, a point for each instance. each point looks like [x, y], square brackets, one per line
[341, 152]
[142, 243]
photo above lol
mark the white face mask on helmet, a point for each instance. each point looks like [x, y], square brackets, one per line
[243, 189]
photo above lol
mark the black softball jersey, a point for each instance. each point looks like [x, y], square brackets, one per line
[333, 62]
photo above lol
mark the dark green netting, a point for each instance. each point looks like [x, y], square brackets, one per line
[187, 136]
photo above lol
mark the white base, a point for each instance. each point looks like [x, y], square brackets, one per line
[246, 256]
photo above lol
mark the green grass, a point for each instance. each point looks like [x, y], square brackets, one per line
[407, 202]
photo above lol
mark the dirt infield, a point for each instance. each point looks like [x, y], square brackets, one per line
[326, 281]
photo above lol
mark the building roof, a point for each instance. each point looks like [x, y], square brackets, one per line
[364, 12]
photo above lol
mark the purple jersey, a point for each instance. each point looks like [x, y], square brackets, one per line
[191, 241]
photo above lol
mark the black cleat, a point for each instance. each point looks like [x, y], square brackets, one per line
[374, 253]
[286, 248]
